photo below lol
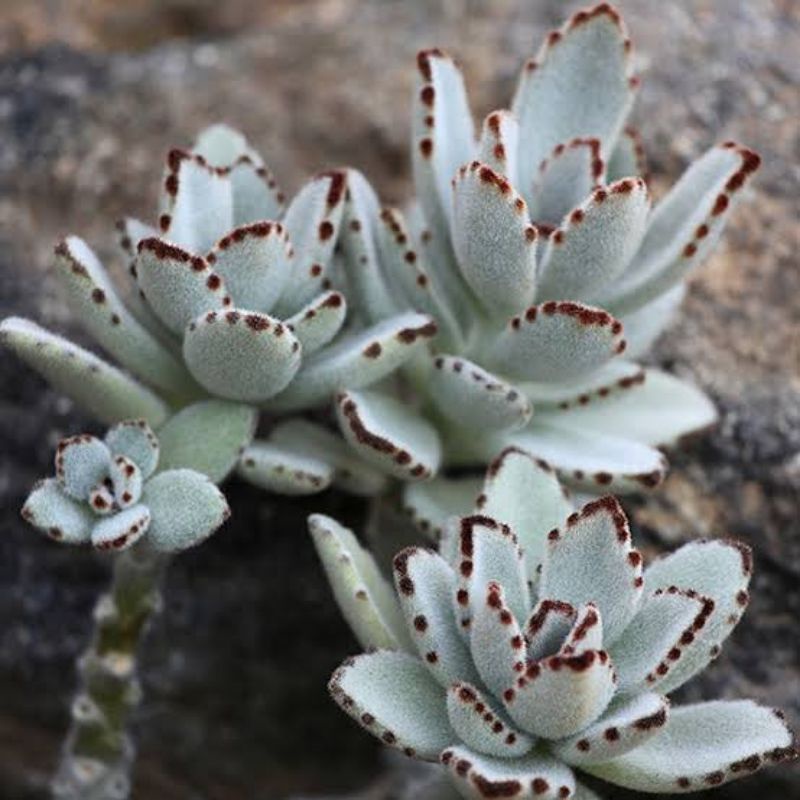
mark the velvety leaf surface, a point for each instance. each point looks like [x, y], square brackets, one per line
[627, 724]
[393, 697]
[532, 777]
[474, 398]
[482, 726]
[526, 495]
[717, 569]
[96, 305]
[276, 469]
[185, 508]
[577, 86]
[254, 262]
[595, 242]
[357, 361]
[556, 341]
[702, 746]
[367, 600]
[207, 436]
[426, 587]
[101, 389]
[493, 239]
[591, 560]
[53, 512]
[241, 355]
[121, 530]
[134, 439]
[318, 322]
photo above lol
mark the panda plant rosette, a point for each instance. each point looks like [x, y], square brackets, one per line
[549, 270]
[534, 646]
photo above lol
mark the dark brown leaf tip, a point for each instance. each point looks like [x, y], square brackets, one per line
[424, 58]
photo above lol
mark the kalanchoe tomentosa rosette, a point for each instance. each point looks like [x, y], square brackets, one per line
[231, 300]
[109, 493]
[537, 251]
[522, 652]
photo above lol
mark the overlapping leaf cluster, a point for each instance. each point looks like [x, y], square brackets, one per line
[230, 299]
[538, 252]
[109, 493]
[534, 644]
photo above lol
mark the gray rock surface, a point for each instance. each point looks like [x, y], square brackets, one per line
[235, 668]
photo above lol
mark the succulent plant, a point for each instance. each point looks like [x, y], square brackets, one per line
[108, 492]
[534, 644]
[536, 250]
[231, 300]
[111, 492]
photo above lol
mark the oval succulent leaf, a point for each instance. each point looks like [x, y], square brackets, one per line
[481, 725]
[312, 221]
[95, 303]
[561, 695]
[196, 202]
[357, 360]
[443, 134]
[280, 470]
[488, 552]
[387, 433]
[596, 242]
[426, 586]
[95, 385]
[474, 398]
[591, 560]
[657, 410]
[55, 513]
[702, 746]
[220, 145]
[81, 463]
[122, 530]
[525, 494]
[409, 274]
[256, 194]
[579, 85]
[615, 377]
[685, 225]
[565, 179]
[557, 341]
[318, 322]
[208, 437]
[367, 285]
[499, 144]
[627, 724]
[493, 239]
[317, 442]
[659, 636]
[496, 641]
[719, 570]
[177, 285]
[185, 508]
[532, 777]
[594, 461]
[134, 439]
[393, 697]
[364, 596]
[254, 262]
[126, 479]
[241, 355]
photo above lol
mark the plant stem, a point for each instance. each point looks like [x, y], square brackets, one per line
[98, 753]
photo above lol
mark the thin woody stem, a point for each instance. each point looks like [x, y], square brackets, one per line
[98, 753]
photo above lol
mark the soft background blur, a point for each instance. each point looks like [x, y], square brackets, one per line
[93, 93]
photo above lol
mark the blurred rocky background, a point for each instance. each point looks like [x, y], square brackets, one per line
[94, 92]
